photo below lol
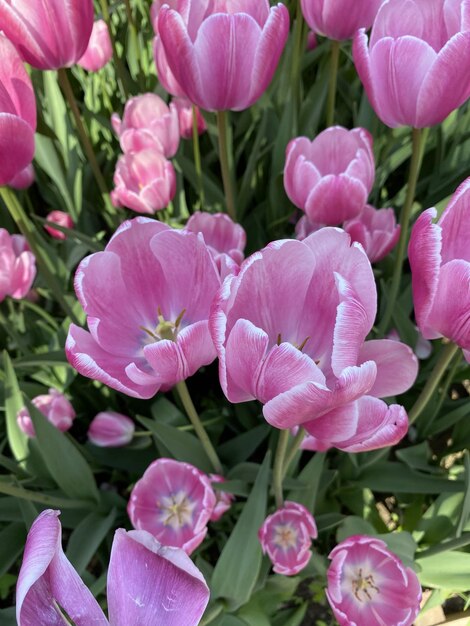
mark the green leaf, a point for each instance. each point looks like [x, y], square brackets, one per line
[241, 447]
[397, 478]
[12, 540]
[311, 476]
[239, 564]
[87, 537]
[13, 403]
[449, 572]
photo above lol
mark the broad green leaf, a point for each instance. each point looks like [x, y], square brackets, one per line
[397, 478]
[87, 537]
[12, 540]
[311, 476]
[13, 403]
[241, 447]
[451, 571]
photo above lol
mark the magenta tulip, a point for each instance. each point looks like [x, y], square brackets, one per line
[440, 264]
[17, 114]
[185, 118]
[414, 69]
[164, 281]
[24, 179]
[290, 331]
[376, 230]
[330, 177]
[53, 405]
[369, 585]
[17, 266]
[100, 49]
[147, 583]
[223, 499]
[339, 19]
[144, 181]
[223, 56]
[286, 537]
[61, 219]
[49, 34]
[111, 430]
[174, 502]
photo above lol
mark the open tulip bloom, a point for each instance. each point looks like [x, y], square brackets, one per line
[148, 584]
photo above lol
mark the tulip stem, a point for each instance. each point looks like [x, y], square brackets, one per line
[334, 63]
[195, 420]
[117, 61]
[197, 159]
[444, 360]
[296, 58]
[415, 167]
[278, 472]
[226, 163]
[293, 450]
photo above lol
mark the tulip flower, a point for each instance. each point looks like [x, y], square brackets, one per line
[54, 406]
[339, 19]
[111, 430]
[368, 584]
[185, 118]
[148, 123]
[174, 502]
[17, 266]
[164, 282]
[290, 331]
[330, 177]
[405, 67]
[49, 34]
[286, 537]
[100, 49]
[17, 114]
[24, 179]
[439, 256]
[147, 583]
[61, 219]
[223, 499]
[376, 230]
[223, 56]
[144, 181]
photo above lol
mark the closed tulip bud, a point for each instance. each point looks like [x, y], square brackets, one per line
[55, 406]
[100, 50]
[17, 266]
[61, 219]
[376, 230]
[111, 430]
[185, 118]
[339, 19]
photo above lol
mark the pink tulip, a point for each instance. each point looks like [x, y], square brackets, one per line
[173, 501]
[148, 123]
[305, 227]
[185, 117]
[17, 266]
[311, 41]
[330, 177]
[286, 537]
[423, 347]
[415, 67]
[111, 430]
[223, 499]
[144, 181]
[62, 219]
[24, 179]
[439, 256]
[17, 114]
[290, 331]
[368, 584]
[376, 230]
[55, 406]
[151, 288]
[49, 34]
[224, 56]
[147, 583]
[339, 19]
[100, 49]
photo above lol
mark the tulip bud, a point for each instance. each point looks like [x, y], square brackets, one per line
[54, 406]
[17, 266]
[111, 430]
[376, 230]
[62, 219]
[185, 118]
[100, 49]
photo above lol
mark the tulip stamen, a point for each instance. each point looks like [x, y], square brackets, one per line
[285, 536]
[364, 584]
[176, 510]
[302, 345]
[279, 339]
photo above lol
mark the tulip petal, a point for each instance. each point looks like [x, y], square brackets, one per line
[397, 366]
[167, 362]
[362, 62]
[455, 225]
[336, 199]
[16, 146]
[196, 345]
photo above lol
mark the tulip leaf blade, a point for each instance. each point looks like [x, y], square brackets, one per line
[13, 403]
[87, 537]
[450, 572]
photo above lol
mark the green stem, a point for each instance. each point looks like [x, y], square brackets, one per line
[453, 544]
[117, 61]
[297, 51]
[293, 450]
[129, 13]
[195, 420]
[226, 163]
[334, 63]
[27, 229]
[415, 167]
[278, 472]
[444, 360]
[197, 159]
[442, 396]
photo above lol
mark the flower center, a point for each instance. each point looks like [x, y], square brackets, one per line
[165, 329]
[364, 587]
[176, 510]
[285, 536]
[299, 346]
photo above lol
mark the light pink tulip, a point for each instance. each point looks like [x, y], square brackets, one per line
[17, 114]
[305, 227]
[423, 347]
[369, 585]
[185, 117]
[62, 219]
[173, 501]
[148, 123]
[290, 331]
[144, 181]
[376, 230]
[24, 179]
[49, 34]
[17, 266]
[147, 583]
[100, 49]
[286, 537]
[164, 282]
[339, 19]
[414, 69]
[55, 406]
[223, 56]
[439, 256]
[111, 430]
[223, 499]
[330, 177]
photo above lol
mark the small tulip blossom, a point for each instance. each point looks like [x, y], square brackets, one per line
[147, 583]
[100, 49]
[376, 230]
[17, 266]
[148, 325]
[111, 430]
[439, 256]
[368, 584]
[330, 177]
[339, 19]
[174, 502]
[61, 219]
[53, 405]
[223, 499]
[185, 117]
[286, 537]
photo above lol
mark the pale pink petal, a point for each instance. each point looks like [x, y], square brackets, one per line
[455, 225]
[397, 366]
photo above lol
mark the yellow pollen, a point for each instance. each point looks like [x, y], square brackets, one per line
[285, 537]
[364, 585]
